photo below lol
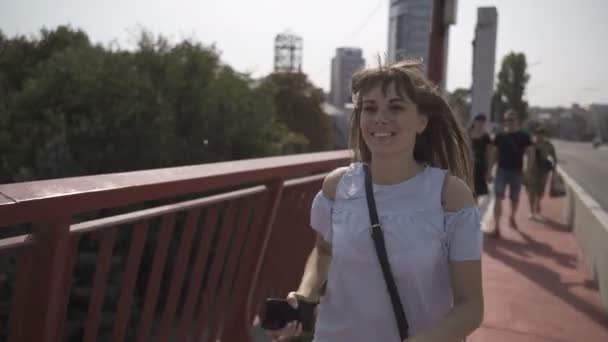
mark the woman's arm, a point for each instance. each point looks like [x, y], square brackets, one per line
[315, 272]
[530, 159]
[467, 313]
[489, 160]
[553, 153]
[492, 150]
[465, 276]
[317, 265]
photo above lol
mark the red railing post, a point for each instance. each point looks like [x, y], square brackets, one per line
[45, 301]
[241, 325]
[23, 283]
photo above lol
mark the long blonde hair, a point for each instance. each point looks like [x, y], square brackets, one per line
[442, 144]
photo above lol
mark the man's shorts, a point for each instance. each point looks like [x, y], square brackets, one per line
[512, 178]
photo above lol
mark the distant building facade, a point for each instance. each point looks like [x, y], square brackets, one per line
[340, 120]
[410, 24]
[484, 59]
[346, 62]
[420, 29]
[576, 123]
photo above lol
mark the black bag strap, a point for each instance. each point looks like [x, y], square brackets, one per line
[378, 238]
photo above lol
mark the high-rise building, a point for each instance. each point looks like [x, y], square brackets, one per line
[346, 62]
[484, 58]
[410, 25]
[420, 29]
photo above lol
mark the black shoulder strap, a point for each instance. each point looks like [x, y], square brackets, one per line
[443, 188]
[378, 238]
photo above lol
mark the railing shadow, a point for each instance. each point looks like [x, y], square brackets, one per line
[554, 225]
[503, 249]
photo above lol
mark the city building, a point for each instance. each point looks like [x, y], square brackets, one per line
[577, 123]
[340, 120]
[410, 24]
[419, 29]
[346, 62]
[484, 59]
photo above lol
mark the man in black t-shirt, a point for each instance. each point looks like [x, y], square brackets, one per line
[509, 149]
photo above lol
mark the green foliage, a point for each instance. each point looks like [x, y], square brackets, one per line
[460, 101]
[69, 108]
[299, 106]
[511, 87]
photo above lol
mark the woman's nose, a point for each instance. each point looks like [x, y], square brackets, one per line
[382, 116]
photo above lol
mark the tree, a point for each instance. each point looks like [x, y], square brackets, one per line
[460, 101]
[299, 106]
[511, 87]
[30, 129]
[159, 105]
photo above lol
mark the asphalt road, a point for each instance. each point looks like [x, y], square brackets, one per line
[588, 166]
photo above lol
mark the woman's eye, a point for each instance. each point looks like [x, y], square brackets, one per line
[396, 108]
[369, 109]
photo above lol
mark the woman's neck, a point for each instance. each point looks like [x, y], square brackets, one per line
[393, 170]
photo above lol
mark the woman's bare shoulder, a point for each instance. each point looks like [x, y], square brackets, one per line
[330, 183]
[456, 194]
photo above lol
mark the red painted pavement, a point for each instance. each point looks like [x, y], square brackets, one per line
[536, 287]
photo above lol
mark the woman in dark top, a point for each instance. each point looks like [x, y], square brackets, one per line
[480, 141]
[541, 161]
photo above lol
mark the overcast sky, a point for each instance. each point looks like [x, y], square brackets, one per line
[565, 41]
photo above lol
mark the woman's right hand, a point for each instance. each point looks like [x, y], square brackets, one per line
[292, 329]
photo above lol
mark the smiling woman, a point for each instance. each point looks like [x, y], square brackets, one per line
[417, 276]
[389, 121]
[401, 96]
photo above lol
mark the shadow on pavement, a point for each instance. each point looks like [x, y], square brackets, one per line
[534, 270]
[554, 225]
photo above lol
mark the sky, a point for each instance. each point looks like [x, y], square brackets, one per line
[565, 41]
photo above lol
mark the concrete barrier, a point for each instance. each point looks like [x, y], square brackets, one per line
[589, 223]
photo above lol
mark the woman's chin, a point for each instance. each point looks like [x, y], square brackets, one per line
[388, 152]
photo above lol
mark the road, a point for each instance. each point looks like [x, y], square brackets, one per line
[588, 166]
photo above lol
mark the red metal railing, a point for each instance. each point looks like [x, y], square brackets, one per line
[203, 256]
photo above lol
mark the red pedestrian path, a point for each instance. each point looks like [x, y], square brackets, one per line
[536, 287]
